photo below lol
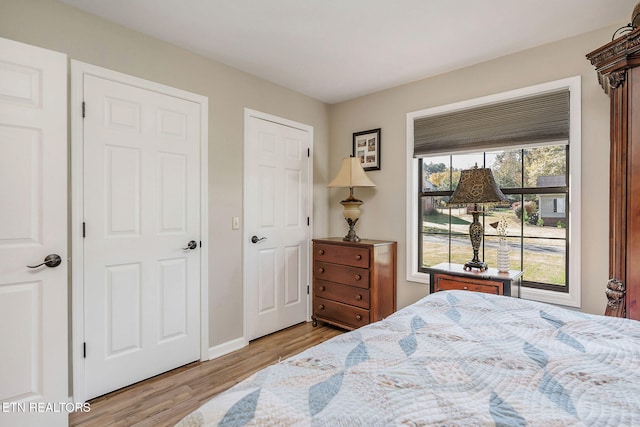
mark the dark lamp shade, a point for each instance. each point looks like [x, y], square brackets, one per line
[477, 185]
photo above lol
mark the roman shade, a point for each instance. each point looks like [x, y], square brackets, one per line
[531, 120]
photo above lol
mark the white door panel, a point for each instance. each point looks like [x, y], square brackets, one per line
[33, 208]
[277, 204]
[141, 208]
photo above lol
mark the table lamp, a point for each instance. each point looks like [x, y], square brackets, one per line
[351, 175]
[476, 186]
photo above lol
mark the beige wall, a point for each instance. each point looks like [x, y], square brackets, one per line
[86, 38]
[55, 26]
[384, 209]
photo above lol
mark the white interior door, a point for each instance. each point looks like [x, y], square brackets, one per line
[277, 230]
[33, 224]
[141, 211]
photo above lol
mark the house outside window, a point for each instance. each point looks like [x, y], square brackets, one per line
[535, 175]
[552, 207]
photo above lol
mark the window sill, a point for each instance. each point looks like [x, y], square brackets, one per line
[558, 298]
[418, 277]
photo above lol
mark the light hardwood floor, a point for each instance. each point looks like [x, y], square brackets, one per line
[165, 399]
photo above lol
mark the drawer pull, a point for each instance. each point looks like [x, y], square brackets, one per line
[465, 288]
[358, 317]
[321, 269]
[321, 251]
[322, 288]
[321, 306]
[359, 297]
[358, 257]
[358, 277]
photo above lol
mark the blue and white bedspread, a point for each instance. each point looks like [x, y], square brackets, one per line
[454, 358]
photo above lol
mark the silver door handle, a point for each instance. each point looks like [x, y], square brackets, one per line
[51, 260]
[255, 239]
[191, 245]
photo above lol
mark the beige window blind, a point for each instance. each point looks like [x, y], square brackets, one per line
[532, 120]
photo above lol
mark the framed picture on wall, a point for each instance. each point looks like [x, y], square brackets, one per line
[366, 147]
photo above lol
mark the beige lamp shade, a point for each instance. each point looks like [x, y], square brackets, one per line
[351, 174]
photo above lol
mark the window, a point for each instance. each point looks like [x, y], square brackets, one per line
[536, 232]
[536, 163]
[558, 205]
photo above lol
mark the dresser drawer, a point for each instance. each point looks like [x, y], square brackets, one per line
[347, 275]
[341, 293]
[344, 314]
[444, 282]
[337, 254]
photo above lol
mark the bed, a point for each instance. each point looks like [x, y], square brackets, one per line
[454, 358]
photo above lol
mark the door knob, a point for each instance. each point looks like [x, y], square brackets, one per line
[191, 245]
[255, 239]
[51, 260]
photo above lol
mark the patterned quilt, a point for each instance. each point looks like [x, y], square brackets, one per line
[454, 358]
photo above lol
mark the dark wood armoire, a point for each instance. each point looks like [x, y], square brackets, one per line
[618, 67]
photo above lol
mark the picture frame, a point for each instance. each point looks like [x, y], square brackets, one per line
[366, 147]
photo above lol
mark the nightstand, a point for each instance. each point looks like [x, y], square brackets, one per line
[447, 276]
[354, 283]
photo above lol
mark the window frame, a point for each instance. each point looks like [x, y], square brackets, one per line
[573, 84]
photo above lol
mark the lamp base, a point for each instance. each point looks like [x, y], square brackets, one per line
[351, 235]
[475, 234]
[476, 264]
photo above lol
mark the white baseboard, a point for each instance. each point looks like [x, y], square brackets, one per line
[227, 347]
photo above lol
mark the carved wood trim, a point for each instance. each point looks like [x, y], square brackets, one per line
[616, 299]
[615, 57]
[618, 185]
[617, 78]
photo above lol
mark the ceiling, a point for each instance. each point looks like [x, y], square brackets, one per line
[335, 50]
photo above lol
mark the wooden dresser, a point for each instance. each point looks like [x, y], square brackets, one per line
[354, 283]
[447, 276]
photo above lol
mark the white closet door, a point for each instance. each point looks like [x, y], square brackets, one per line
[141, 211]
[276, 201]
[33, 225]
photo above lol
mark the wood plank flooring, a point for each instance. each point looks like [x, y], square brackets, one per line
[167, 398]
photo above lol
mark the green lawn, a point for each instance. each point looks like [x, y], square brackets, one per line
[538, 266]
[443, 219]
[544, 257]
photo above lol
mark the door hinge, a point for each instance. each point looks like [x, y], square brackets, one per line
[84, 229]
[308, 152]
[308, 221]
[307, 289]
[83, 109]
[84, 350]
[200, 243]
